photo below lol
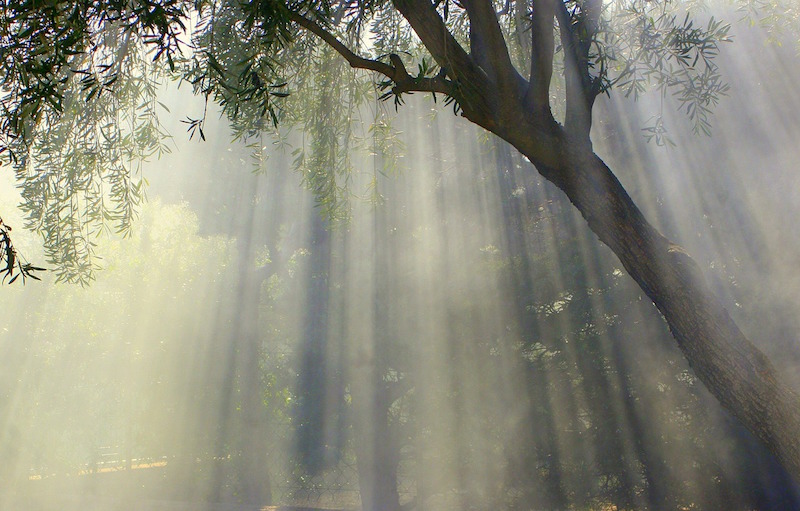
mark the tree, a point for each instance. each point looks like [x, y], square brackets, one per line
[78, 89]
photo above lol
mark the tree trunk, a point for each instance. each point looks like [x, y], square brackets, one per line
[732, 368]
[377, 442]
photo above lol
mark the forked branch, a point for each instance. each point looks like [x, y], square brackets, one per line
[478, 96]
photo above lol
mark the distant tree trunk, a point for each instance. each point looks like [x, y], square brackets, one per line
[320, 401]
[252, 436]
[376, 451]
[377, 443]
[540, 422]
[249, 434]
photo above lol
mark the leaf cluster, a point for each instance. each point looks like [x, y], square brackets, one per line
[780, 18]
[671, 52]
[81, 174]
[11, 262]
[48, 46]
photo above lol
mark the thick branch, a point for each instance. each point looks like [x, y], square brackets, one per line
[488, 46]
[434, 34]
[587, 25]
[404, 82]
[521, 19]
[542, 51]
[580, 96]
[590, 19]
[731, 367]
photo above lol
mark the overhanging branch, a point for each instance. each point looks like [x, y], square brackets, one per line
[354, 60]
[404, 82]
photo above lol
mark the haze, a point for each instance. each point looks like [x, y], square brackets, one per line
[463, 334]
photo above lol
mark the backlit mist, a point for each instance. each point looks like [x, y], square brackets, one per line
[460, 341]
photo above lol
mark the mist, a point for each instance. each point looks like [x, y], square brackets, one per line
[460, 341]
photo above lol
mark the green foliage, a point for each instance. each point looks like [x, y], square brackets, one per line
[50, 48]
[79, 118]
[79, 82]
[13, 265]
[84, 176]
[671, 52]
[781, 18]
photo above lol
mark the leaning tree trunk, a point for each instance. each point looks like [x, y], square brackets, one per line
[493, 95]
[731, 367]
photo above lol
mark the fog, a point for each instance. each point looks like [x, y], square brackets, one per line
[461, 341]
